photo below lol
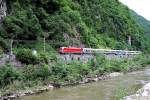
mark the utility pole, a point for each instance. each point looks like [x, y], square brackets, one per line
[44, 41]
[45, 35]
[129, 40]
[11, 47]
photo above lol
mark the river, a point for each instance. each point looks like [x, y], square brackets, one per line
[102, 90]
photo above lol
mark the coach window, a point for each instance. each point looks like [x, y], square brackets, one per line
[72, 58]
[65, 58]
[78, 58]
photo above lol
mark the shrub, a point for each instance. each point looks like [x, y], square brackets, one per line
[41, 71]
[144, 60]
[26, 56]
[4, 45]
[84, 69]
[77, 70]
[43, 58]
[98, 64]
[8, 74]
[1, 51]
[60, 70]
[36, 72]
[70, 72]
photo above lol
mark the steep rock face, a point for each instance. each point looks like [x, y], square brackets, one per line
[3, 10]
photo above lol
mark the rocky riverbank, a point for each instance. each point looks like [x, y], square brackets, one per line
[141, 94]
[21, 93]
[10, 96]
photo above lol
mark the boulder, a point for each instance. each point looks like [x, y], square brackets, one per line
[115, 74]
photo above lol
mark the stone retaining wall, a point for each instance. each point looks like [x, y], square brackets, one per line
[87, 57]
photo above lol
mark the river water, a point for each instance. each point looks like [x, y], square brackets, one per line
[102, 90]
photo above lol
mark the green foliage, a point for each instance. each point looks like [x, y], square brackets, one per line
[100, 23]
[71, 72]
[8, 74]
[20, 26]
[26, 56]
[4, 45]
[44, 58]
[121, 92]
[117, 65]
[142, 60]
[40, 72]
[145, 24]
[1, 51]
[101, 65]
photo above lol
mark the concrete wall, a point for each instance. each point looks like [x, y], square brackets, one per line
[75, 57]
[86, 57]
[5, 58]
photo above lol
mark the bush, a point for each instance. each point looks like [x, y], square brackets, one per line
[4, 45]
[32, 72]
[1, 51]
[60, 69]
[41, 71]
[143, 60]
[26, 56]
[71, 72]
[101, 65]
[98, 65]
[8, 74]
[44, 58]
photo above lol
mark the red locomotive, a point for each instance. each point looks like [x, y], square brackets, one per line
[70, 50]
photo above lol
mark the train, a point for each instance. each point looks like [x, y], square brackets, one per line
[76, 50]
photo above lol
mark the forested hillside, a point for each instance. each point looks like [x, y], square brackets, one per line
[33, 31]
[91, 23]
[145, 24]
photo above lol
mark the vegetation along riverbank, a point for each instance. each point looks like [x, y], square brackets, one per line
[40, 77]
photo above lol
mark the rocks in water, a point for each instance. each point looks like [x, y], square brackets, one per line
[50, 86]
[27, 92]
[147, 72]
[103, 77]
[142, 94]
[115, 74]
[143, 82]
[9, 97]
[96, 79]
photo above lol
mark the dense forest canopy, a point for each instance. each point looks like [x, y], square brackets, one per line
[98, 23]
[144, 23]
